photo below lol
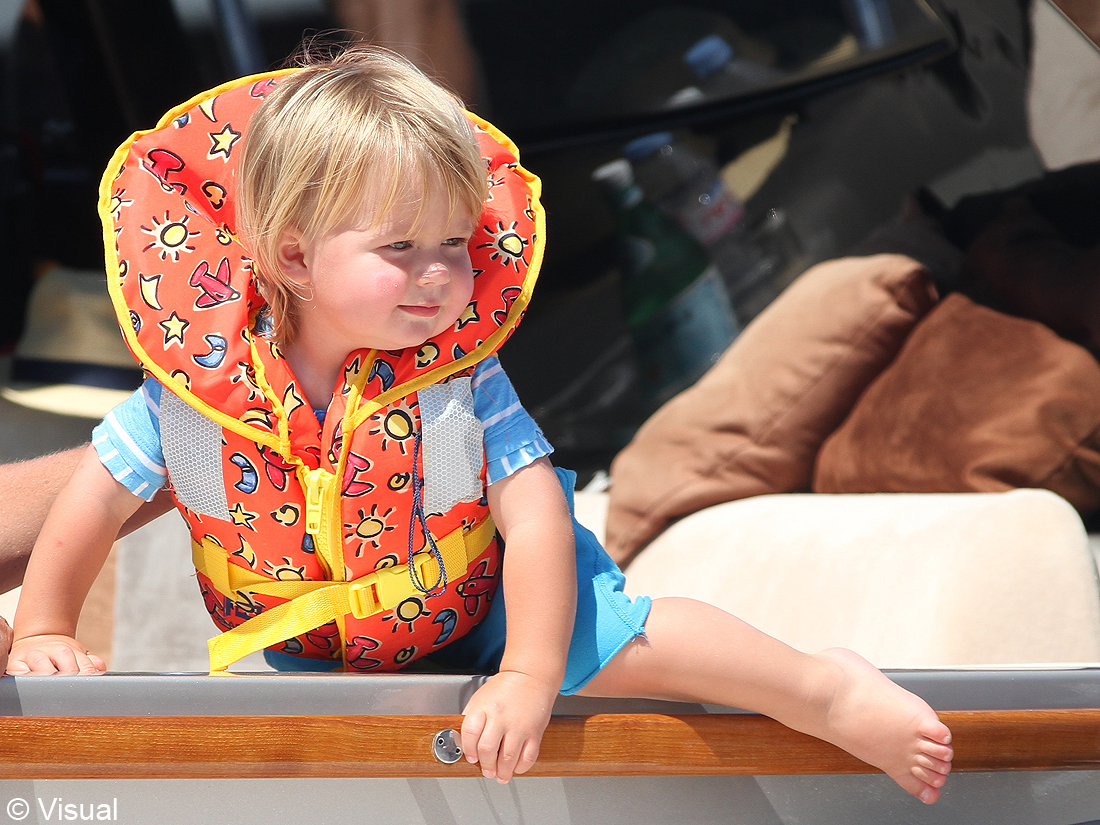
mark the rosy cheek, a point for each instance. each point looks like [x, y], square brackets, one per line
[388, 286]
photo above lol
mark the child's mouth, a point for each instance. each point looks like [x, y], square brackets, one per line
[421, 311]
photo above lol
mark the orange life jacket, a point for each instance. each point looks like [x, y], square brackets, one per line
[302, 533]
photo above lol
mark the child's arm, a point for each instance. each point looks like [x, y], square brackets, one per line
[506, 717]
[27, 491]
[71, 549]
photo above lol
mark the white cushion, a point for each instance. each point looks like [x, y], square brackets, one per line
[907, 580]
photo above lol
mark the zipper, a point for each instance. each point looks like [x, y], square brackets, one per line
[322, 502]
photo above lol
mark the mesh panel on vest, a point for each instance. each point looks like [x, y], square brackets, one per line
[193, 454]
[454, 450]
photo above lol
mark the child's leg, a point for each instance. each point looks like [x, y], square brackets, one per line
[696, 652]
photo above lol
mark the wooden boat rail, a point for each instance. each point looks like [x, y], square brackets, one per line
[601, 744]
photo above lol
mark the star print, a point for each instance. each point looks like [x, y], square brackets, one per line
[241, 517]
[174, 328]
[468, 315]
[223, 142]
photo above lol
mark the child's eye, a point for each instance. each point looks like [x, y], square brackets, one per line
[456, 242]
[401, 245]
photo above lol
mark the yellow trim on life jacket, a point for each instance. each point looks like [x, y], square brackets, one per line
[114, 284]
[314, 603]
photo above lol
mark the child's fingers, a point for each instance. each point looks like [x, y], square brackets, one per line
[528, 756]
[507, 755]
[488, 750]
[483, 741]
[503, 724]
[57, 658]
[515, 759]
[71, 661]
[473, 723]
[517, 755]
[62, 659]
[35, 662]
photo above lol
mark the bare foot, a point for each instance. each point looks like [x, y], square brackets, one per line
[886, 726]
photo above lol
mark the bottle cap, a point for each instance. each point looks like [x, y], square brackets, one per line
[616, 179]
[616, 173]
[641, 148]
[708, 55]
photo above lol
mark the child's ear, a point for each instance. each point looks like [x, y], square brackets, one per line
[293, 256]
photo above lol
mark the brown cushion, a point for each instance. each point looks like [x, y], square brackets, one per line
[754, 423]
[976, 401]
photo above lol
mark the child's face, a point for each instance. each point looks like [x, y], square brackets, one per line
[391, 287]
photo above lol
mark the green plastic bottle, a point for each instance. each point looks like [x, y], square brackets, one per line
[674, 299]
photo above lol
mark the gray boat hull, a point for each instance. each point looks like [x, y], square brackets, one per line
[1061, 797]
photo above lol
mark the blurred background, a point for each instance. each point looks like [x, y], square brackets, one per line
[803, 124]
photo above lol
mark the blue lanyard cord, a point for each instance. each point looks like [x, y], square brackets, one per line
[419, 517]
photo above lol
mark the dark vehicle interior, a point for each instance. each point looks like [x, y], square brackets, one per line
[838, 126]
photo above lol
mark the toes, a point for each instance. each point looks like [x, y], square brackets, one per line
[929, 795]
[933, 750]
[926, 792]
[939, 766]
[929, 777]
[935, 731]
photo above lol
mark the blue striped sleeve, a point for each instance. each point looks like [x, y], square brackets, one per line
[512, 438]
[128, 442]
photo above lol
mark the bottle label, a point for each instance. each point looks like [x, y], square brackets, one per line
[713, 214]
[686, 336]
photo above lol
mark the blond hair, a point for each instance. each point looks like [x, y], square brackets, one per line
[365, 123]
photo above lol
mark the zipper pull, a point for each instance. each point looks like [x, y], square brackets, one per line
[317, 485]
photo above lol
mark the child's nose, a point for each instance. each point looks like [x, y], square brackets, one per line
[435, 273]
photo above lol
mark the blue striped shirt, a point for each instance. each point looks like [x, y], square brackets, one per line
[128, 439]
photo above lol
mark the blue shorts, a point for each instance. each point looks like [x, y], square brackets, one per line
[606, 619]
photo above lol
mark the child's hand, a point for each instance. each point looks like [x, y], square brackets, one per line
[48, 654]
[504, 723]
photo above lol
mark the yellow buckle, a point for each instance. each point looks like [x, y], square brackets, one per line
[363, 598]
[386, 588]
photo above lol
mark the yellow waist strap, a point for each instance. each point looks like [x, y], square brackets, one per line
[314, 603]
